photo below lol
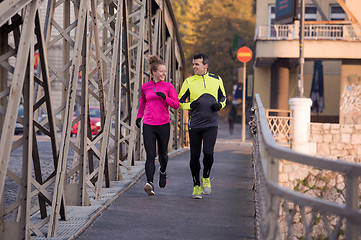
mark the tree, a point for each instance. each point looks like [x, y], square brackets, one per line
[209, 26]
[187, 15]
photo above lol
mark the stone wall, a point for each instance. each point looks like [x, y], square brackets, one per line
[337, 141]
[332, 141]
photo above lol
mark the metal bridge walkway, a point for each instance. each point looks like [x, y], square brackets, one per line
[228, 213]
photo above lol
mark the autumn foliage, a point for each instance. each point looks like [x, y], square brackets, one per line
[212, 26]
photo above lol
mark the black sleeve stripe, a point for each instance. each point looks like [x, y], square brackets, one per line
[184, 97]
[213, 76]
[221, 97]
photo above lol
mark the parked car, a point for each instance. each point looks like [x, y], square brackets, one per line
[94, 113]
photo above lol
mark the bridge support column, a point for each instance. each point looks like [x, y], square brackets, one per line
[301, 124]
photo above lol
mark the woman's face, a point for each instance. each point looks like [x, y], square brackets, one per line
[160, 74]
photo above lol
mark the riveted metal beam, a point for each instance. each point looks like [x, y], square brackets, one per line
[91, 54]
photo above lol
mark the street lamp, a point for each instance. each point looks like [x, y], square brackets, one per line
[301, 58]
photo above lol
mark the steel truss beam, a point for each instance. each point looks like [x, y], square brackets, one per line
[103, 48]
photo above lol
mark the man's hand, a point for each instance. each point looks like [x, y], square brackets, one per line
[137, 122]
[194, 105]
[216, 107]
[162, 95]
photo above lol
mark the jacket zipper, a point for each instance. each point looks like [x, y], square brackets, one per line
[204, 81]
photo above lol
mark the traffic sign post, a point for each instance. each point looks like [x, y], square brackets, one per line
[244, 54]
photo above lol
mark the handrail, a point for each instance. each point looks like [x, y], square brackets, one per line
[271, 197]
[277, 151]
[305, 200]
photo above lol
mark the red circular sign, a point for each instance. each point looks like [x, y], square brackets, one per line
[244, 54]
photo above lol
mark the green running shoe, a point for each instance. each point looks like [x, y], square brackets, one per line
[197, 192]
[206, 183]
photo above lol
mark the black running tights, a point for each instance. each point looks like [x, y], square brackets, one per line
[196, 136]
[151, 135]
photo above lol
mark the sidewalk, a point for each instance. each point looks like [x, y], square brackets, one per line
[227, 213]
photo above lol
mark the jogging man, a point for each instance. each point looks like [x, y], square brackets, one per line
[203, 95]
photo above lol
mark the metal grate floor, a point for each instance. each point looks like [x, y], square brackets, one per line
[80, 217]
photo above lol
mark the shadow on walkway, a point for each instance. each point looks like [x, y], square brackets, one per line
[227, 213]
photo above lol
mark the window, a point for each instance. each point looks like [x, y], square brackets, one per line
[337, 13]
[272, 14]
[310, 13]
[282, 31]
[275, 30]
[272, 20]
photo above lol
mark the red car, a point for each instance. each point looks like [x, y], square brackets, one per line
[94, 113]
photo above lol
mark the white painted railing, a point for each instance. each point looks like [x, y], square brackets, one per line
[280, 123]
[278, 208]
[312, 32]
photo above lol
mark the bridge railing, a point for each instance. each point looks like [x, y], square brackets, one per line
[290, 213]
[312, 32]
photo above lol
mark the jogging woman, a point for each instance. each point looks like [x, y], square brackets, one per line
[156, 96]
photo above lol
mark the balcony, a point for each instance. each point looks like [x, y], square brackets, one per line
[312, 32]
[322, 41]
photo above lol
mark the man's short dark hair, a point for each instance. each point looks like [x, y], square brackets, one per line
[202, 56]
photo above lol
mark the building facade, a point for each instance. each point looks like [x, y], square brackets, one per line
[332, 40]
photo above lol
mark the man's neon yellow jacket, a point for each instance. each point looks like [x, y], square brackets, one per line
[205, 89]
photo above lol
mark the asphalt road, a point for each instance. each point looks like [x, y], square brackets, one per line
[227, 213]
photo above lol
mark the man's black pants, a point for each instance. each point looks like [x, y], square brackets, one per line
[208, 137]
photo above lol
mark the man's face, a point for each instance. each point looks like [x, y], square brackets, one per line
[198, 67]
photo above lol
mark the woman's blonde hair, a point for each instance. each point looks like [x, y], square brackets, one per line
[154, 62]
